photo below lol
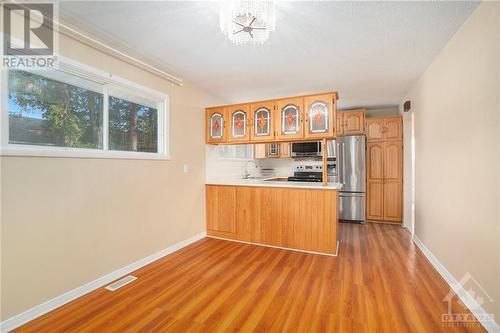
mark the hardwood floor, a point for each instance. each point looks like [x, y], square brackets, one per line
[379, 282]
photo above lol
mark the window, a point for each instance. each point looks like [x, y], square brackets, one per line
[81, 114]
[132, 126]
[47, 112]
[240, 152]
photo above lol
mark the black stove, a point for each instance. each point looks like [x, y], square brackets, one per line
[306, 176]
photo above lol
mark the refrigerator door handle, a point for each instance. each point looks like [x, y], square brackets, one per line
[339, 158]
[343, 163]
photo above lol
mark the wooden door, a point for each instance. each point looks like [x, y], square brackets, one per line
[238, 117]
[375, 161]
[271, 218]
[273, 150]
[285, 149]
[393, 160]
[375, 181]
[393, 181]
[248, 213]
[318, 116]
[291, 123]
[216, 125]
[393, 128]
[374, 129]
[262, 121]
[375, 200]
[339, 123]
[221, 210]
[393, 201]
[354, 122]
[259, 150]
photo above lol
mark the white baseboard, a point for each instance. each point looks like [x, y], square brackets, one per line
[455, 285]
[39, 310]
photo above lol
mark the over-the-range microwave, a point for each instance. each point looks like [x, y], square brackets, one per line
[306, 149]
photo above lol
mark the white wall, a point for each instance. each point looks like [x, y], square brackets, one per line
[457, 131]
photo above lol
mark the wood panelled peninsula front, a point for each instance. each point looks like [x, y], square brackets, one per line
[302, 219]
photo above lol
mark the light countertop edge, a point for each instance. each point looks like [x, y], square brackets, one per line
[270, 183]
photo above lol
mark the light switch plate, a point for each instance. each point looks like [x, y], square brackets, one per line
[186, 168]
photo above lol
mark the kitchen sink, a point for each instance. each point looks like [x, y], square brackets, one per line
[253, 177]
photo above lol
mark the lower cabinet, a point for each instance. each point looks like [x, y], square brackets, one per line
[393, 200]
[303, 219]
[221, 209]
[375, 200]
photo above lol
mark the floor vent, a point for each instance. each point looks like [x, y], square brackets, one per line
[120, 283]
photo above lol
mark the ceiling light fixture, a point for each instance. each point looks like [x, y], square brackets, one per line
[247, 21]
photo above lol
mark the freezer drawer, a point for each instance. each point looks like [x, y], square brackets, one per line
[352, 207]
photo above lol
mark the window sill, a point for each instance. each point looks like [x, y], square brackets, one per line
[61, 152]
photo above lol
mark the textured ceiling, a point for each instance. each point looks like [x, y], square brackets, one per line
[371, 52]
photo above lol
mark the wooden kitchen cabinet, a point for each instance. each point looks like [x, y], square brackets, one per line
[393, 128]
[216, 125]
[291, 123]
[221, 210]
[374, 129]
[384, 197]
[319, 116]
[303, 219]
[259, 150]
[374, 200]
[393, 201]
[238, 117]
[262, 121]
[285, 149]
[375, 181]
[393, 160]
[351, 122]
[384, 129]
[339, 121]
[272, 150]
[310, 117]
[375, 161]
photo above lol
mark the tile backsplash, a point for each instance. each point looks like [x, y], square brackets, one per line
[220, 166]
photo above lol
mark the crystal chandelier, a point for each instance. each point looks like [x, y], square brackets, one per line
[247, 21]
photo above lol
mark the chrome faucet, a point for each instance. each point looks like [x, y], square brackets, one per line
[245, 172]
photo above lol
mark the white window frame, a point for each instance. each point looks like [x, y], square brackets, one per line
[107, 80]
[249, 149]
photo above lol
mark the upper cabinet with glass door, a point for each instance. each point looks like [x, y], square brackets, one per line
[319, 116]
[291, 115]
[216, 125]
[297, 118]
[262, 121]
[239, 129]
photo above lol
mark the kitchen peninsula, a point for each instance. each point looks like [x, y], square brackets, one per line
[292, 215]
[275, 212]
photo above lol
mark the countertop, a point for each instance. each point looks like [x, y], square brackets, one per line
[269, 183]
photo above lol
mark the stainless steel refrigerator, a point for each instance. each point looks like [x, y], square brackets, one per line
[351, 166]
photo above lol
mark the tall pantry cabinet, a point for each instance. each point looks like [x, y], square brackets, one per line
[384, 169]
